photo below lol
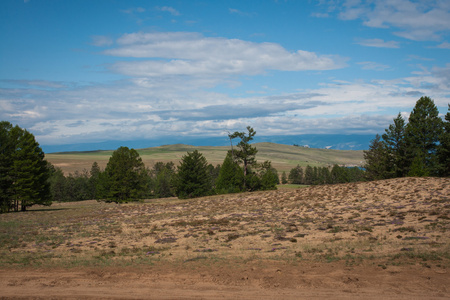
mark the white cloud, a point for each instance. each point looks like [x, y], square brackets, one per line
[370, 65]
[421, 20]
[169, 9]
[320, 15]
[239, 12]
[101, 41]
[134, 10]
[193, 54]
[417, 57]
[379, 43]
[45, 84]
[152, 107]
[445, 45]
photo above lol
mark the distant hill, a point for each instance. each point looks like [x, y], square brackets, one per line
[321, 141]
[283, 157]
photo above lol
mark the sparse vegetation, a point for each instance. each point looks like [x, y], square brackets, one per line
[285, 224]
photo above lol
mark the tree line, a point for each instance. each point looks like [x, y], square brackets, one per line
[26, 178]
[323, 175]
[418, 148]
[126, 178]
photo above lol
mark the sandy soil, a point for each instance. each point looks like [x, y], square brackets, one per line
[376, 240]
[261, 280]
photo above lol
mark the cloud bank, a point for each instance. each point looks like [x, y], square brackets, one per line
[413, 20]
[191, 54]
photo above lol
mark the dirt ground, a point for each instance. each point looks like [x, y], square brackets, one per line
[261, 280]
[374, 240]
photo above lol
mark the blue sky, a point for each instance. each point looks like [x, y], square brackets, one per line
[92, 71]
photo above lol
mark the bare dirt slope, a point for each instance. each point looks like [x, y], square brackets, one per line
[376, 240]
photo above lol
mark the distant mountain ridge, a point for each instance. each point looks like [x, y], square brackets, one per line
[321, 141]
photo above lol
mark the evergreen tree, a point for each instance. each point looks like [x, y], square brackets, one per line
[269, 176]
[394, 139]
[418, 167]
[213, 173]
[164, 177]
[444, 147]
[296, 175]
[284, 178]
[245, 153]
[6, 162]
[323, 175]
[192, 178]
[316, 179]
[376, 160]
[252, 180]
[422, 133]
[58, 185]
[356, 174]
[338, 175]
[309, 175]
[79, 186]
[93, 179]
[30, 173]
[231, 177]
[124, 178]
[24, 170]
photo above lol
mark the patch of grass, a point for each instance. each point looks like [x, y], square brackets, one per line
[405, 229]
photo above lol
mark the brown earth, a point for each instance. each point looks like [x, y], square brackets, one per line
[375, 240]
[261, 280]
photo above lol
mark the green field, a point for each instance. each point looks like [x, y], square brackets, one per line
[283, 157]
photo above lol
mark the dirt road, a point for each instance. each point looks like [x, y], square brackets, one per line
[254, 280]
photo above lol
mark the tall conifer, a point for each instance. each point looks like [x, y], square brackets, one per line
[422, 135]
[444, 147]
[193, 179]
[394, 138]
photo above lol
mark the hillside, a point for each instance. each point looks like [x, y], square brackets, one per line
[283, 157]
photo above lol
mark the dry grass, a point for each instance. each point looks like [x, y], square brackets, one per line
[283, 157]
[393, 221]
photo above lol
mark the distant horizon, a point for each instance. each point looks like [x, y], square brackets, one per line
[317, 141]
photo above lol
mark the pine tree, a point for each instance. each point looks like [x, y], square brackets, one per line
[394, 139]
[284, 178]
[296, 175]
[93, 179]
[6, 162]
[418, 167]
[338, 174]
[309, 175]
[24, 170]
[164, 175]
[422, 134]
[213, 173]
[192, 178]
[376, 160]
[444, 147]
[124, 178]
[245, 153]
[231, 177]
[58, 185]
[269, 176]
[324, 175]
